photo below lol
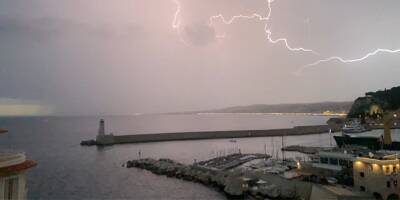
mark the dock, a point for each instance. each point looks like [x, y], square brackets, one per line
[109, 139]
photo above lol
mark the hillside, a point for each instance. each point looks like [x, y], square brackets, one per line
[385, 99]
[335, 107]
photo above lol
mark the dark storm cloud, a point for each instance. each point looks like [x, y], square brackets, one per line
[48, 28]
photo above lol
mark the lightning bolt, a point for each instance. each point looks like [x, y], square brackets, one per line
[340, 59]
[176, 24]
[266, 29]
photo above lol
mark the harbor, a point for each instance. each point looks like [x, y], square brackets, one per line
[319, 172]
[330, 173]
[343, 171]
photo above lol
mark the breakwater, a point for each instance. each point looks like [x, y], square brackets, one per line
[160, 137]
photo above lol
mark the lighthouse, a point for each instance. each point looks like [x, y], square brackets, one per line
[103, 138]
[101, 131]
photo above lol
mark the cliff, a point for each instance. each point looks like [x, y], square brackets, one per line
[384, 99]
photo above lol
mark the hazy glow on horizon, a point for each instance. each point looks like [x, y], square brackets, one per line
[13, 107]
[144, 56]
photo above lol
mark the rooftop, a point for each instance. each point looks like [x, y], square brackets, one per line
[11, 163]
[360, 152]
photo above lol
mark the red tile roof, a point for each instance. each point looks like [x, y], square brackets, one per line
[6, 171]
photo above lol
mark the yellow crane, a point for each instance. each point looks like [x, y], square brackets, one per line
[387, 125]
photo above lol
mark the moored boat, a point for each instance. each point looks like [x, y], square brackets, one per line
[354, 127]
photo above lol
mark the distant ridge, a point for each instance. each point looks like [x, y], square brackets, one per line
[315, 108]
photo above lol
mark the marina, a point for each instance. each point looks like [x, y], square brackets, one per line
[97, 173]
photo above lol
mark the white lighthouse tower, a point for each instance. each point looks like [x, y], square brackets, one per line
[101, 131]
[103, 138]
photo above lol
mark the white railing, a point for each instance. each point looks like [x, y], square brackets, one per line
[10, 159]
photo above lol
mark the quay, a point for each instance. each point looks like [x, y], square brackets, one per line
[110, 139]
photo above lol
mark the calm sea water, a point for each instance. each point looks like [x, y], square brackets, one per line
[66, 170]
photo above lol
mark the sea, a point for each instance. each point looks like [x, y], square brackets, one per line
[66, 170]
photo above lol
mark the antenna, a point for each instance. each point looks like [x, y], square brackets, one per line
[273, 146]
[282, 149]
[265, 149]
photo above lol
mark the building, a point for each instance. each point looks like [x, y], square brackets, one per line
[13, 167]
[378, 174]
[334, 160]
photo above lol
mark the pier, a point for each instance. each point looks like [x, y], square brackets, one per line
[110, 139]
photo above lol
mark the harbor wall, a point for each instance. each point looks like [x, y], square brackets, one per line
[158, 137]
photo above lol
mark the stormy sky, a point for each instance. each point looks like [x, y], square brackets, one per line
[74, 57]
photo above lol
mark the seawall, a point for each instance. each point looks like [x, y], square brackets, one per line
[159, 137]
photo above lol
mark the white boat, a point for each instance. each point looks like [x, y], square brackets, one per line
[354, 127]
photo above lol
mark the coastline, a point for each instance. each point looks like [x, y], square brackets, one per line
[261, 113]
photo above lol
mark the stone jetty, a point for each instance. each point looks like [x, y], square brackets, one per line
[225, 174]
[110, 139]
